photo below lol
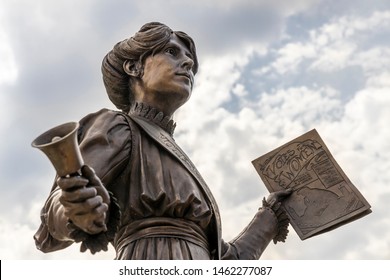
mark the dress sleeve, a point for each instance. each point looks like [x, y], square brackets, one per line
[105, 143]
[269, 223]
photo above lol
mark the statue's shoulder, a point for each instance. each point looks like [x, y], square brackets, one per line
[106, 143]
[106, 122]
[101, 115]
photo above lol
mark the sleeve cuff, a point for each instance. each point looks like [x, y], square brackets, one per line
[283, 221]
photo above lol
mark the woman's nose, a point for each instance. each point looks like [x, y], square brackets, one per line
[187, 63]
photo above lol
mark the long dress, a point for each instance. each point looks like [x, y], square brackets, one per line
[165, 214]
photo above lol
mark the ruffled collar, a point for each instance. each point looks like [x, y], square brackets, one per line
[152, 114]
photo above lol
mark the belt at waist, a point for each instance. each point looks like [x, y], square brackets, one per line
[161, 227]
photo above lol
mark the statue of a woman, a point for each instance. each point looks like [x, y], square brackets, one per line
[143, 195]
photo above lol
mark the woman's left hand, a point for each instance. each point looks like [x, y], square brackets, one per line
[279, 196]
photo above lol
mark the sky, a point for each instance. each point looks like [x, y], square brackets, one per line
[269, 72]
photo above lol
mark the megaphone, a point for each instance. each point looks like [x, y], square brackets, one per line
[59, 144]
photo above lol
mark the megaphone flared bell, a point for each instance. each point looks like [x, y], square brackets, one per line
[60, 145]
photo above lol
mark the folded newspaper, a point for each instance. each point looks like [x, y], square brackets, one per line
[323, 197]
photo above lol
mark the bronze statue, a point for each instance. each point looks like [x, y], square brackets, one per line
[137, 189]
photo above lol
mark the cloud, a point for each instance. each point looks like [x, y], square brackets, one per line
[334, 46]
[224, 26]
[8, 69]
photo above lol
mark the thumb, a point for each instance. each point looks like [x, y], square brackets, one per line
[284, 193]
[94, 181]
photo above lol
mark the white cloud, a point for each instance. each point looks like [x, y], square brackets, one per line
[334, 57]
[291, 55]
[239, 90]
[308, 106]
[334, 46]
[8, 67]
[350, 26]
[16, 240]
[338, 42]
[374, 61]
[365, 127]
[213, 87]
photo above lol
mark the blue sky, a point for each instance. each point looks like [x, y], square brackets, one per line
[268, 73]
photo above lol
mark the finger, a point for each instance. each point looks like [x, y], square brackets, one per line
[67, 183]
[102, 208]
[284, 193]
[78, 195]
[73, 210]
[289, 190]
[82, 208]
[95, 229]
[89, 173]
[92, 203]
[100, 214]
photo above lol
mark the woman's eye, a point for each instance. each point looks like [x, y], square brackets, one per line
[171, 51]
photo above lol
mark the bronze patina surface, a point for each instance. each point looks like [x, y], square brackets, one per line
[323, 197]
[137, 189]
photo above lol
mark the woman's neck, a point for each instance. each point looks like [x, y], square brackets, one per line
[154, 115]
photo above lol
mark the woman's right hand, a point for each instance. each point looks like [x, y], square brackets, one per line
[85, 204]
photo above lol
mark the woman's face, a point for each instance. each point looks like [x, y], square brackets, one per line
[167, 77]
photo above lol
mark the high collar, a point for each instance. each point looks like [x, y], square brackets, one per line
[152, 114]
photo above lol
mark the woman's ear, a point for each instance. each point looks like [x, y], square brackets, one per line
[132, 69]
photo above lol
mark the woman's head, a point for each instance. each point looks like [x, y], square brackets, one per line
[150, 39]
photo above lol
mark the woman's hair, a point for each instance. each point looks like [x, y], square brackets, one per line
[150, 39]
